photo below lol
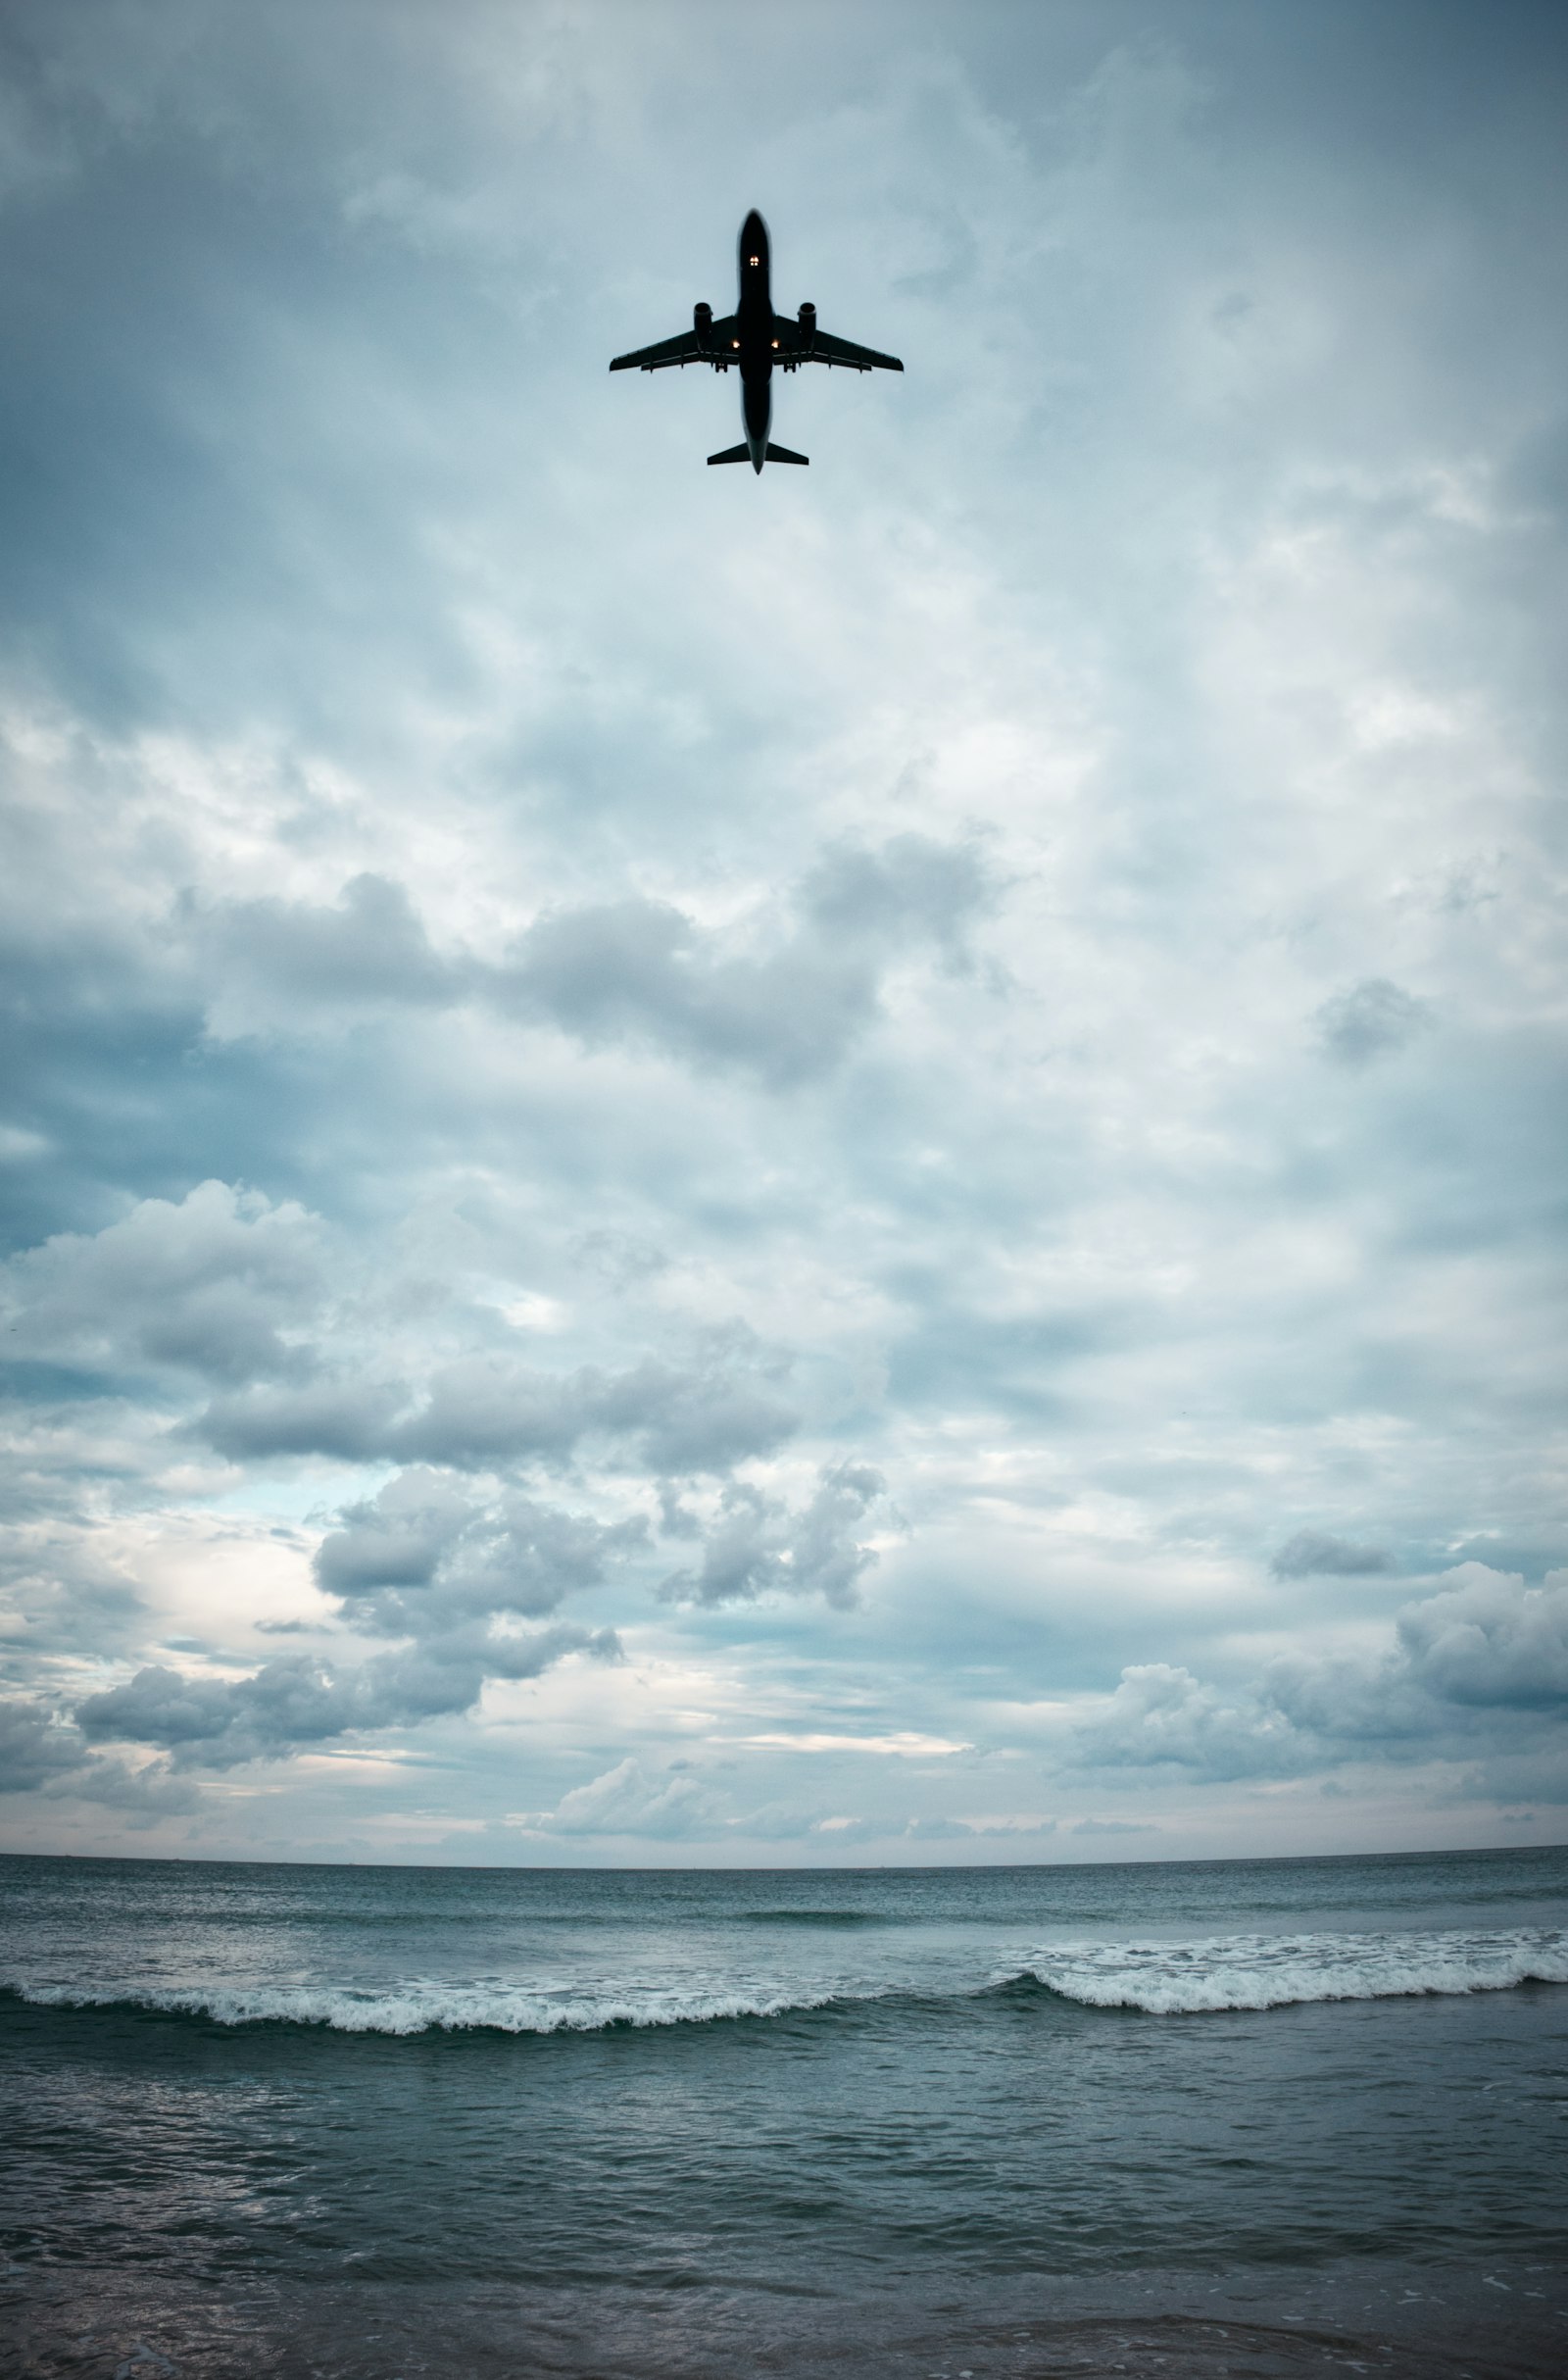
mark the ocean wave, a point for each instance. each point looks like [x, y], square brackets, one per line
[1273, 1970]
[1232, 1971]
[433, 2008]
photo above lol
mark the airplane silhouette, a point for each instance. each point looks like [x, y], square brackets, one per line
[755, 338]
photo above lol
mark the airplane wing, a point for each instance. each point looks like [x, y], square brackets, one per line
[686, 347]
[821, 347]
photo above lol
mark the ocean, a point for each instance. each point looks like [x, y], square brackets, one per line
[1234, 2117]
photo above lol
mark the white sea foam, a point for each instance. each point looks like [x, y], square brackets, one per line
[422, 2007]
[1161, 1978]
[1279, 1970]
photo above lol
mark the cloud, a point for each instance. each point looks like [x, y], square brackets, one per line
[1314, 1554]
[759, 1546]
[1162, 1717]
[1470, 1667]
[485, 1411]
[423, 1555]
[206, 1286]
[35, 1746]
[298, 1701]
[704, 1416]
[1370, 1021]
[626, 1801]
[643, 970]
[1490, 1642]
[44, 1754]
[369, 947]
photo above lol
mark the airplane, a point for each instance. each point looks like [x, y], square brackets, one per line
[754, 338]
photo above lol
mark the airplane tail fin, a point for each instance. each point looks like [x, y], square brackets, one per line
[772, 454]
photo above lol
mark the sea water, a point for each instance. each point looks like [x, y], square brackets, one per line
[1242, 2116]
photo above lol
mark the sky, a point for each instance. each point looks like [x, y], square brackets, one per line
[864, 1166]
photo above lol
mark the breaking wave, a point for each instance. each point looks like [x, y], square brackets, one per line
[426, 2007]
[1275, 1970]
[1233, 1971]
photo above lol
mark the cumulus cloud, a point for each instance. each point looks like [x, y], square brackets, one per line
[208, 1285]
[1470, 1666]
[298, 1701]
[1490, 1642]
[42, 1753]
[35, 1746]
[1162, 1717]
[423, 1555]
[758, 1545]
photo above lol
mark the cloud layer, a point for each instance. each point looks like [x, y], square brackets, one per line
[864, 1166]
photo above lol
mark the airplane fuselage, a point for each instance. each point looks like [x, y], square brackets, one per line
[755, 342]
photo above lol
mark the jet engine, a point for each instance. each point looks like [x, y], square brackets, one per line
[809, 318]
[703, 320]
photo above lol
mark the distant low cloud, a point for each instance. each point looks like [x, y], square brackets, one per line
[1314, 1554]
[1470, 1666]
[626, 1801]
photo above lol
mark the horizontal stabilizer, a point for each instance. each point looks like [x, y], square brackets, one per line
[732, 454]
[783, 454]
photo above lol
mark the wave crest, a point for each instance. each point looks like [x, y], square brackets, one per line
[1273, 1971]
[416, 2007]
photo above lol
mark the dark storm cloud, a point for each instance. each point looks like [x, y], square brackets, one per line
[1315, 1553]
[640, 969]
